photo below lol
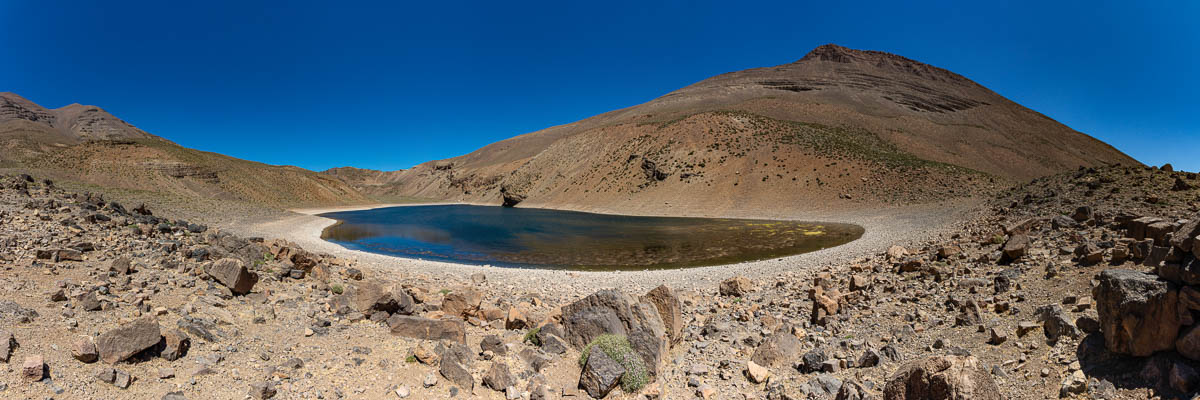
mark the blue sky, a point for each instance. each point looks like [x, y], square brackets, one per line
[393, 84]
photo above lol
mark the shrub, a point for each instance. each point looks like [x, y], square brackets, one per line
[617, 348]
[532, 337]
[336, 288]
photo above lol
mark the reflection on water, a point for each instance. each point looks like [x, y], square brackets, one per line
[527, 237]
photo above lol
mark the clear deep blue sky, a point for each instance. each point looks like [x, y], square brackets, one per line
[393, 84]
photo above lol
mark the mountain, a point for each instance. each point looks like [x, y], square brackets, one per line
[839, 128]
[86, 144]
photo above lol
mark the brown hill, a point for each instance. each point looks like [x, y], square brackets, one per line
[85, 144]
[870, 126]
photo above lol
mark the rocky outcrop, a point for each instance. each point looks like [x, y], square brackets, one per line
[1138, 312]
[613, 312]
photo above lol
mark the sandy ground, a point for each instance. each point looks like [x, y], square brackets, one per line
[885, 227]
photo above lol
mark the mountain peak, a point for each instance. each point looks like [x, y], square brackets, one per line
[883, 60]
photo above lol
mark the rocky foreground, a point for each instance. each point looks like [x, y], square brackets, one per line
[1081, 285]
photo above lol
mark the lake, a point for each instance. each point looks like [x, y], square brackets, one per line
[541, 238]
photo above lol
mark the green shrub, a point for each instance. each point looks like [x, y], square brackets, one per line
[410, 359]
[617, 348]
[336, 288]
[532, 337]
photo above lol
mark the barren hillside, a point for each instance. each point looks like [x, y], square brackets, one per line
[840, 128]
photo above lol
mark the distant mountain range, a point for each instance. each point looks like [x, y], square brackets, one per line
[88, 145]
[837, 129]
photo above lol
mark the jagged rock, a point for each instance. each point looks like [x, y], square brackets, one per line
[371, 296]
[942, 378]
[121, 265]
[461, 302]
[1181, 185]
[88, 301]
[493, 344]
[84, 350]
[1056, 323]
[669, 309]
[232, 273]
[610, 311]
[263, 390]
[600, 374]
[176, 344]
[427, 329]
[736, 286]
[812, 361]
[118, 344]
[1016, 246]
[896, 252]
[756, 373]
[826, 300]
[1184, 238]
[1081, 214]
[498, 377]
[454, 371]
[1137, 311]
[782, 346]
[851, 390]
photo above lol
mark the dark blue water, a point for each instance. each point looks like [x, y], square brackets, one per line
[539, 238]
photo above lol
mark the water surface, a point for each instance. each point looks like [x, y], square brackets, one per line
[540, 238]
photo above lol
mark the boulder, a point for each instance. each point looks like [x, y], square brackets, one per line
[736, 286]
[942, 378]
[427, 329]
[610, 311]
[600, 374]
[1056, 323]
[453, 370]
[498, 377]
[232, 273]
[669, 309]
[371, 296]
[756, 373]
[176, 344]
[84, 350]
[1184, 238]
[121, 343]
[461, 302]
[781, 347]
[1138, 314]
[1016, 246]
[34, 368]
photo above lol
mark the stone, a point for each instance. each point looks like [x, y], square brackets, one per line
[669, 309]
[498, 377]
[402, 392]
[781, 347]
[737, 286]
[896, 252]
[860, 282]
[1184, 238]
[263, 390]
[453, 370]
[812, 361]
[1081, 214]
[870, 358]
[177, 344]
[1073, 384]
[1016, 246]
[232, 273]
[552, 343]
[121, 265]
[84, 350]
[427, 329]
[1138, 314]
[998, 336]
[1056, 323]
[942, 378]
[372, 296]
[493, 344]
[756, 373]
[851, 390]
[121, 343]
[33, 369]
[174, 396]
[461, 302]
[516, 318]
[610, 311]
[1188, 343]
[121, 379]
[88, 301]
[600, 374]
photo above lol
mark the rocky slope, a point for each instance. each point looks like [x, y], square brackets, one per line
[839, 124]
[85, 144]
[1051, 291]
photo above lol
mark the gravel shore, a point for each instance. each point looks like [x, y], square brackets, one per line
[884, 227]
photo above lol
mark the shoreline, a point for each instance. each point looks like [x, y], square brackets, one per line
[884, 227]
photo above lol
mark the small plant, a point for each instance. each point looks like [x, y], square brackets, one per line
[336, 288]
[997, 239]
[618, 349]
[410, 359]
[532, 336]
[444, 292]
[268, 257]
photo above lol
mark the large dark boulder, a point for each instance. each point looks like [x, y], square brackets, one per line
[613, 312]
[1138, 312]
[121, 343]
